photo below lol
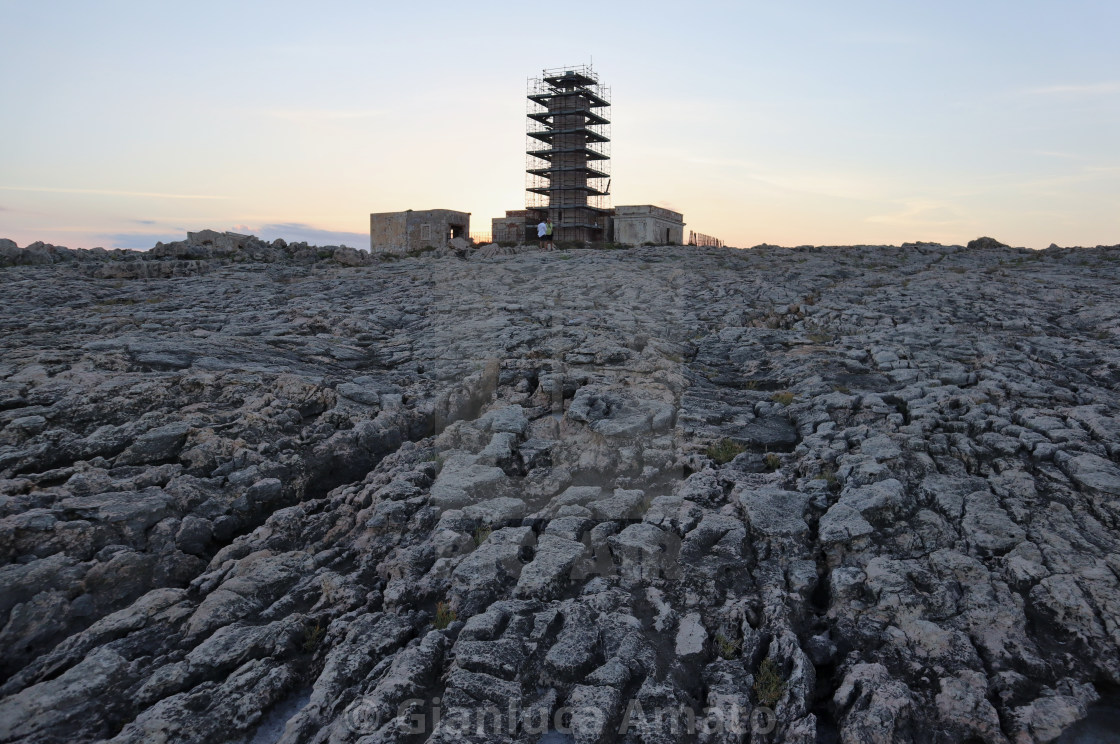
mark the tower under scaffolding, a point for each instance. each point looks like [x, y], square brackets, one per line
[568, 152]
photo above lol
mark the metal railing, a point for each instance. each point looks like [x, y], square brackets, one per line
[700, 239]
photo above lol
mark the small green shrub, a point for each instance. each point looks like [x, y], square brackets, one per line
[828, 475]
[773, 462]
[768, 683]
[727, 646]
[444, 616]
[785, 397]
[312, 635]
[724, 451]
[481, 533]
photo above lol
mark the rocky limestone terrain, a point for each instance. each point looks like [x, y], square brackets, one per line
[254, 493]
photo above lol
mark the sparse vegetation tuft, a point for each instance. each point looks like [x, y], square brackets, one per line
[444, 616]
[312, 636]
[724, 451]
[727, 646]
[481, 533]
[784, 397]
[768, 683]
[773, 462]
[828, 475]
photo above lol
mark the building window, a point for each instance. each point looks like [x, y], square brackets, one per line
[425, 232]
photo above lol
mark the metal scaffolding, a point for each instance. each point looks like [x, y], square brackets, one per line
[567, 152]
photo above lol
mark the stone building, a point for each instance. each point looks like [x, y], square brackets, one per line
[645, 223]
[415, 230]
[514, 227]
[631, 225]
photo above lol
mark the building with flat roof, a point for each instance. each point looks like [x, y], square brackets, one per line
[514, 227]
[645, 223]
[631, 225]
[415, 230]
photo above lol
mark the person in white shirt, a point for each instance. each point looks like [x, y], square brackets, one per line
[542, 233]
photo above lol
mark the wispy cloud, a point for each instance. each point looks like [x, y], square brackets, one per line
[109, 192]
[1078, 89]
[881, 38]
[921, 213]
[322, 115]
[836, 184]
[1057, 154]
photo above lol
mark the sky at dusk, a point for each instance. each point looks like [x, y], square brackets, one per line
[788, 123]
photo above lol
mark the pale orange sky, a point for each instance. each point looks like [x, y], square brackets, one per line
[792, 124]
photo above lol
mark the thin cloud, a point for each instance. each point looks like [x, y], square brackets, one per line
[109, 192]
[323, 114]
[1056, 154]
[1083, 89]
[921, 213]
[882, 38]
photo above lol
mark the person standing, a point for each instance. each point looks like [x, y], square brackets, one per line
[542, 232]
[548, 236]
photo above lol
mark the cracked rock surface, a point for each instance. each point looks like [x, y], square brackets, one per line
[857, 494]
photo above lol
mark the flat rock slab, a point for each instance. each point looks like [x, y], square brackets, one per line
[773, 511]
[463, 481]
[770, 433]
